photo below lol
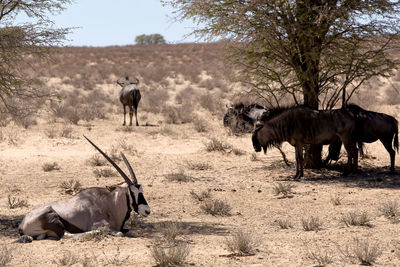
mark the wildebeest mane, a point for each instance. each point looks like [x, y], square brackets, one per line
[272, 112]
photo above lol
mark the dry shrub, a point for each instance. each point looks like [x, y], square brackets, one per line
[216, 208]
[311, 223]
[202, 195]
[242, 243]
[14, 202]
[198, 166]
[392, 96]
[5, 256]
[180, 114]
[51, 133]
[209, 102]
[67, 132]
[104, 172]
[322, 257]
[71, 187]
[179, 176]
[200, 125]
[363, 251]
[217, 145]
[336, 200]
[50, 166]
[354, 218]
[68, 258]
[185, 95]
[238, 152]
[390, 210]
[284, 189]
[126, 147]
[284, 223]
[170, 231]
[97, 235]
[154, 99]
[170, 256]
[116, 258]
[253, 156]
[97, 160]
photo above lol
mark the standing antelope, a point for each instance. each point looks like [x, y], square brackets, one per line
[91, 208]
[129, 96]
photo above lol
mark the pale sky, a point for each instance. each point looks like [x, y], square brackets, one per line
[118, 22]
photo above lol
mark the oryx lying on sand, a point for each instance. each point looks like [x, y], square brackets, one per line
[91, 208]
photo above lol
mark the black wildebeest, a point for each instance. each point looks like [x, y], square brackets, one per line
[302, 125]
[129, 96]
[370, 127]
[241, 118]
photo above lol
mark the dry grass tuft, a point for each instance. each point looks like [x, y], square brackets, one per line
[216, 208]
[283, 189]
[284, 223]
[96, 235]
[336, 200]
[390, 210]
[71, 187]
[105, 172]
[67, 259]
[319, 256]
[200, 125]
[198, 166]
[97, 161]
[242, 243]
[362, 251]
[217, 145]
[170, 256]
[253, 156]
[311, 223]
[201, 196]
[5, 256]
[14, 202]
[50, 166]
[179, 176]
[354, 218]
[170, 231]
[116, 259]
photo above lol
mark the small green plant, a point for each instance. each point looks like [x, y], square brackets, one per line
[216, 208]
[97, 161]
[242, 243]
[217, 145]
[5, 256]
[336, 200]
[178, 177]
[363, 251]
[202, 195]
[67, 259]
[105, 172]
[354, 218]
[284, 223]
[311, 223]
[390, 210]
[198, 166]
[14, 202]
[71, 187]
[170, 256]
[284, 189]
[50, 166]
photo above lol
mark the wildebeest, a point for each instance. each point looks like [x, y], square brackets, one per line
[129, 96]
[91, 208]
[241, 118]
[302, 125]
[370, 127]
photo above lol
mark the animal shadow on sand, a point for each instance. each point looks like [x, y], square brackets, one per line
[9, 225]
[151, 230]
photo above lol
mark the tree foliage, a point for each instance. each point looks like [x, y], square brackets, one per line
[316, 50]
[18, 90]
[145, 39]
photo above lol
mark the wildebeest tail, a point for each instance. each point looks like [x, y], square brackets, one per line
[396, 139]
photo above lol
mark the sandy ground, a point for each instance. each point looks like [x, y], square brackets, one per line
[244, 182]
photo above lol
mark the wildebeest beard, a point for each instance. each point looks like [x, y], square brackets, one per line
[275, 141]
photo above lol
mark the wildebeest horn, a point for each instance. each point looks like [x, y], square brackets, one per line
[126, 178]
[133, 176]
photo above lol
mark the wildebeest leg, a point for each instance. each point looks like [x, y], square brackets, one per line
[352, 156]
[388, 145]
[299, 161]
[137, 123]
[124, 116]
[130, 115]
[360, 149]
[333, 151]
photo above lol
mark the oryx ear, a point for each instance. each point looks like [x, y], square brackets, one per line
[127, 180]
